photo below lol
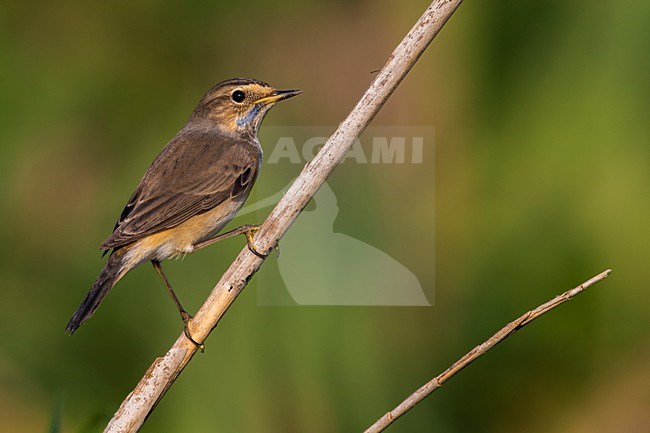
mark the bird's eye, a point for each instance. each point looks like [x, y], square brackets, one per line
[238, 96]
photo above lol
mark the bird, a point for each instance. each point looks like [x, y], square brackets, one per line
[191, 190]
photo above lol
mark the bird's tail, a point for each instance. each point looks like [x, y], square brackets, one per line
[113, 270]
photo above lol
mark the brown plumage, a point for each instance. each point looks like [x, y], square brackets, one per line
[193, 188]
[197, 171]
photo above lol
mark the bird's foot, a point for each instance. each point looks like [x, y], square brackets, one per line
[250, 233]
[187, 317]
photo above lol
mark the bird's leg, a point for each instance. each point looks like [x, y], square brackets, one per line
[248, 230]
[184, 314]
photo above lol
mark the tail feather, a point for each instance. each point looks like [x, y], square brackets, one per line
[112, 272]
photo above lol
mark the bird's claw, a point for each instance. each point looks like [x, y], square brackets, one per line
[186, 330]
[250, 233]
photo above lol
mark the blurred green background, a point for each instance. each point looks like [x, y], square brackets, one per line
[541, 180]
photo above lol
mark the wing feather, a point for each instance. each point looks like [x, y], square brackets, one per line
[196, 171]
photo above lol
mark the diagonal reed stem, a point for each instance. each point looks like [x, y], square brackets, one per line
[477, 352]
[159, 377]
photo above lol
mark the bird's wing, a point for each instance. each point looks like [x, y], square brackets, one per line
[195, 172]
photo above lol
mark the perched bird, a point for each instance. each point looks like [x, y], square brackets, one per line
[193, 188]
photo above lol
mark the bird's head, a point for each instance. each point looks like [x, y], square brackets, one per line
[238, 105]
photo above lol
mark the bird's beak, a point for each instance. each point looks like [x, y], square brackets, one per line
[278, 95]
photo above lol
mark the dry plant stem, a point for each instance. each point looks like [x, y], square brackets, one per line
[139, 404]
[475, 353]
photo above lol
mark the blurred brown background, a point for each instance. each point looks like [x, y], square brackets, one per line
[541, 180]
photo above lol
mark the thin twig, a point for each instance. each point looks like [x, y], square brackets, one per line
[478, 351]
[139, 404]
